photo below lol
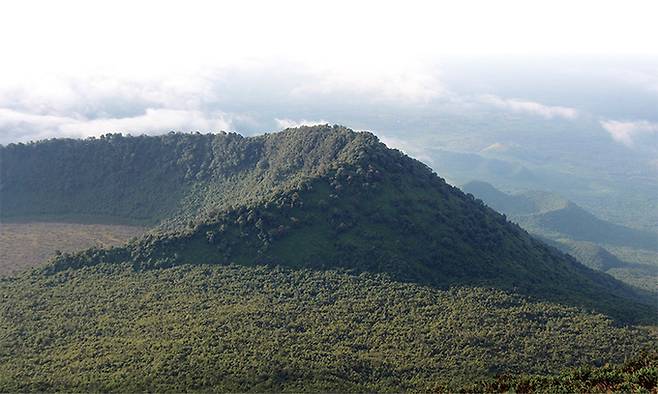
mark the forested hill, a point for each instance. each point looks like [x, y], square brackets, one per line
[320, 197]
[151, 178]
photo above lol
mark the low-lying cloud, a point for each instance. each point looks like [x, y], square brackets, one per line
[245, 99]
[529, 107]
[628, 132]
[290, 123]
[410, 85]
[23, 126]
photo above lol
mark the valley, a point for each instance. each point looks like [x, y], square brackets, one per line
[628, 254]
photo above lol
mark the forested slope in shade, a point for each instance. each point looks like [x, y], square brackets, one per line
[236, 328]
[152, 178]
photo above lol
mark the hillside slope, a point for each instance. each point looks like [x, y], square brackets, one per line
[314, 197]
[236, 329]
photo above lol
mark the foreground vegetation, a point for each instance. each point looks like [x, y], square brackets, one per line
[235, 328]
[637, 375]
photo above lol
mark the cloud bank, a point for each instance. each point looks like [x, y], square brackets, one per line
[289, 123]
[245, 98]
[26, 126]
[405, 83]
[529, 107]
[628, 132]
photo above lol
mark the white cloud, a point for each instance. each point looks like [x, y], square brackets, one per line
[530, 107]
[627, 132]
[21, 126]
[106, 95]
[498, 147]
[290, 123]
[646, 78]
[400, 81]
[66, 104]
[153, 121]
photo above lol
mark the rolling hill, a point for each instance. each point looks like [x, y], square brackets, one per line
[311, 259]
[321, 197]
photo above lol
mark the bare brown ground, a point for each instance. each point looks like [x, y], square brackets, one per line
[26, 245]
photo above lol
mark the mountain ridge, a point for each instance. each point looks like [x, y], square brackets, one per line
[328, 197]
[155, 178]
[551, 212]
[316, 259]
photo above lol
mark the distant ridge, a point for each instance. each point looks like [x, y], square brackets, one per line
[552, 213]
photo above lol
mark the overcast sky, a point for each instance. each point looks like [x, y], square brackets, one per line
[82, 68]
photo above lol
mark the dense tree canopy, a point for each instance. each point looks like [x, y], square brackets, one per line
[327, 197]
[315, 259]
[236, 328]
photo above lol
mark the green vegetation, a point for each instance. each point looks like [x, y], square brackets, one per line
[315, 259]
[628, 254]
[637, 375]
[150, 179]
[236, 328]
[349, 202]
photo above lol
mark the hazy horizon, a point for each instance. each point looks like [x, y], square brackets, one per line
[254, 67]
[563, 93]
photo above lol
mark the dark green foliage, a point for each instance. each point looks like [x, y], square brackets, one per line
[353, 203]
[235, 328]
[637, 375]
[150, 179]
[113, 176]
[202, 303]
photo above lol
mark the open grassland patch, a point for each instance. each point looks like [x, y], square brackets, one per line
[25, 245]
